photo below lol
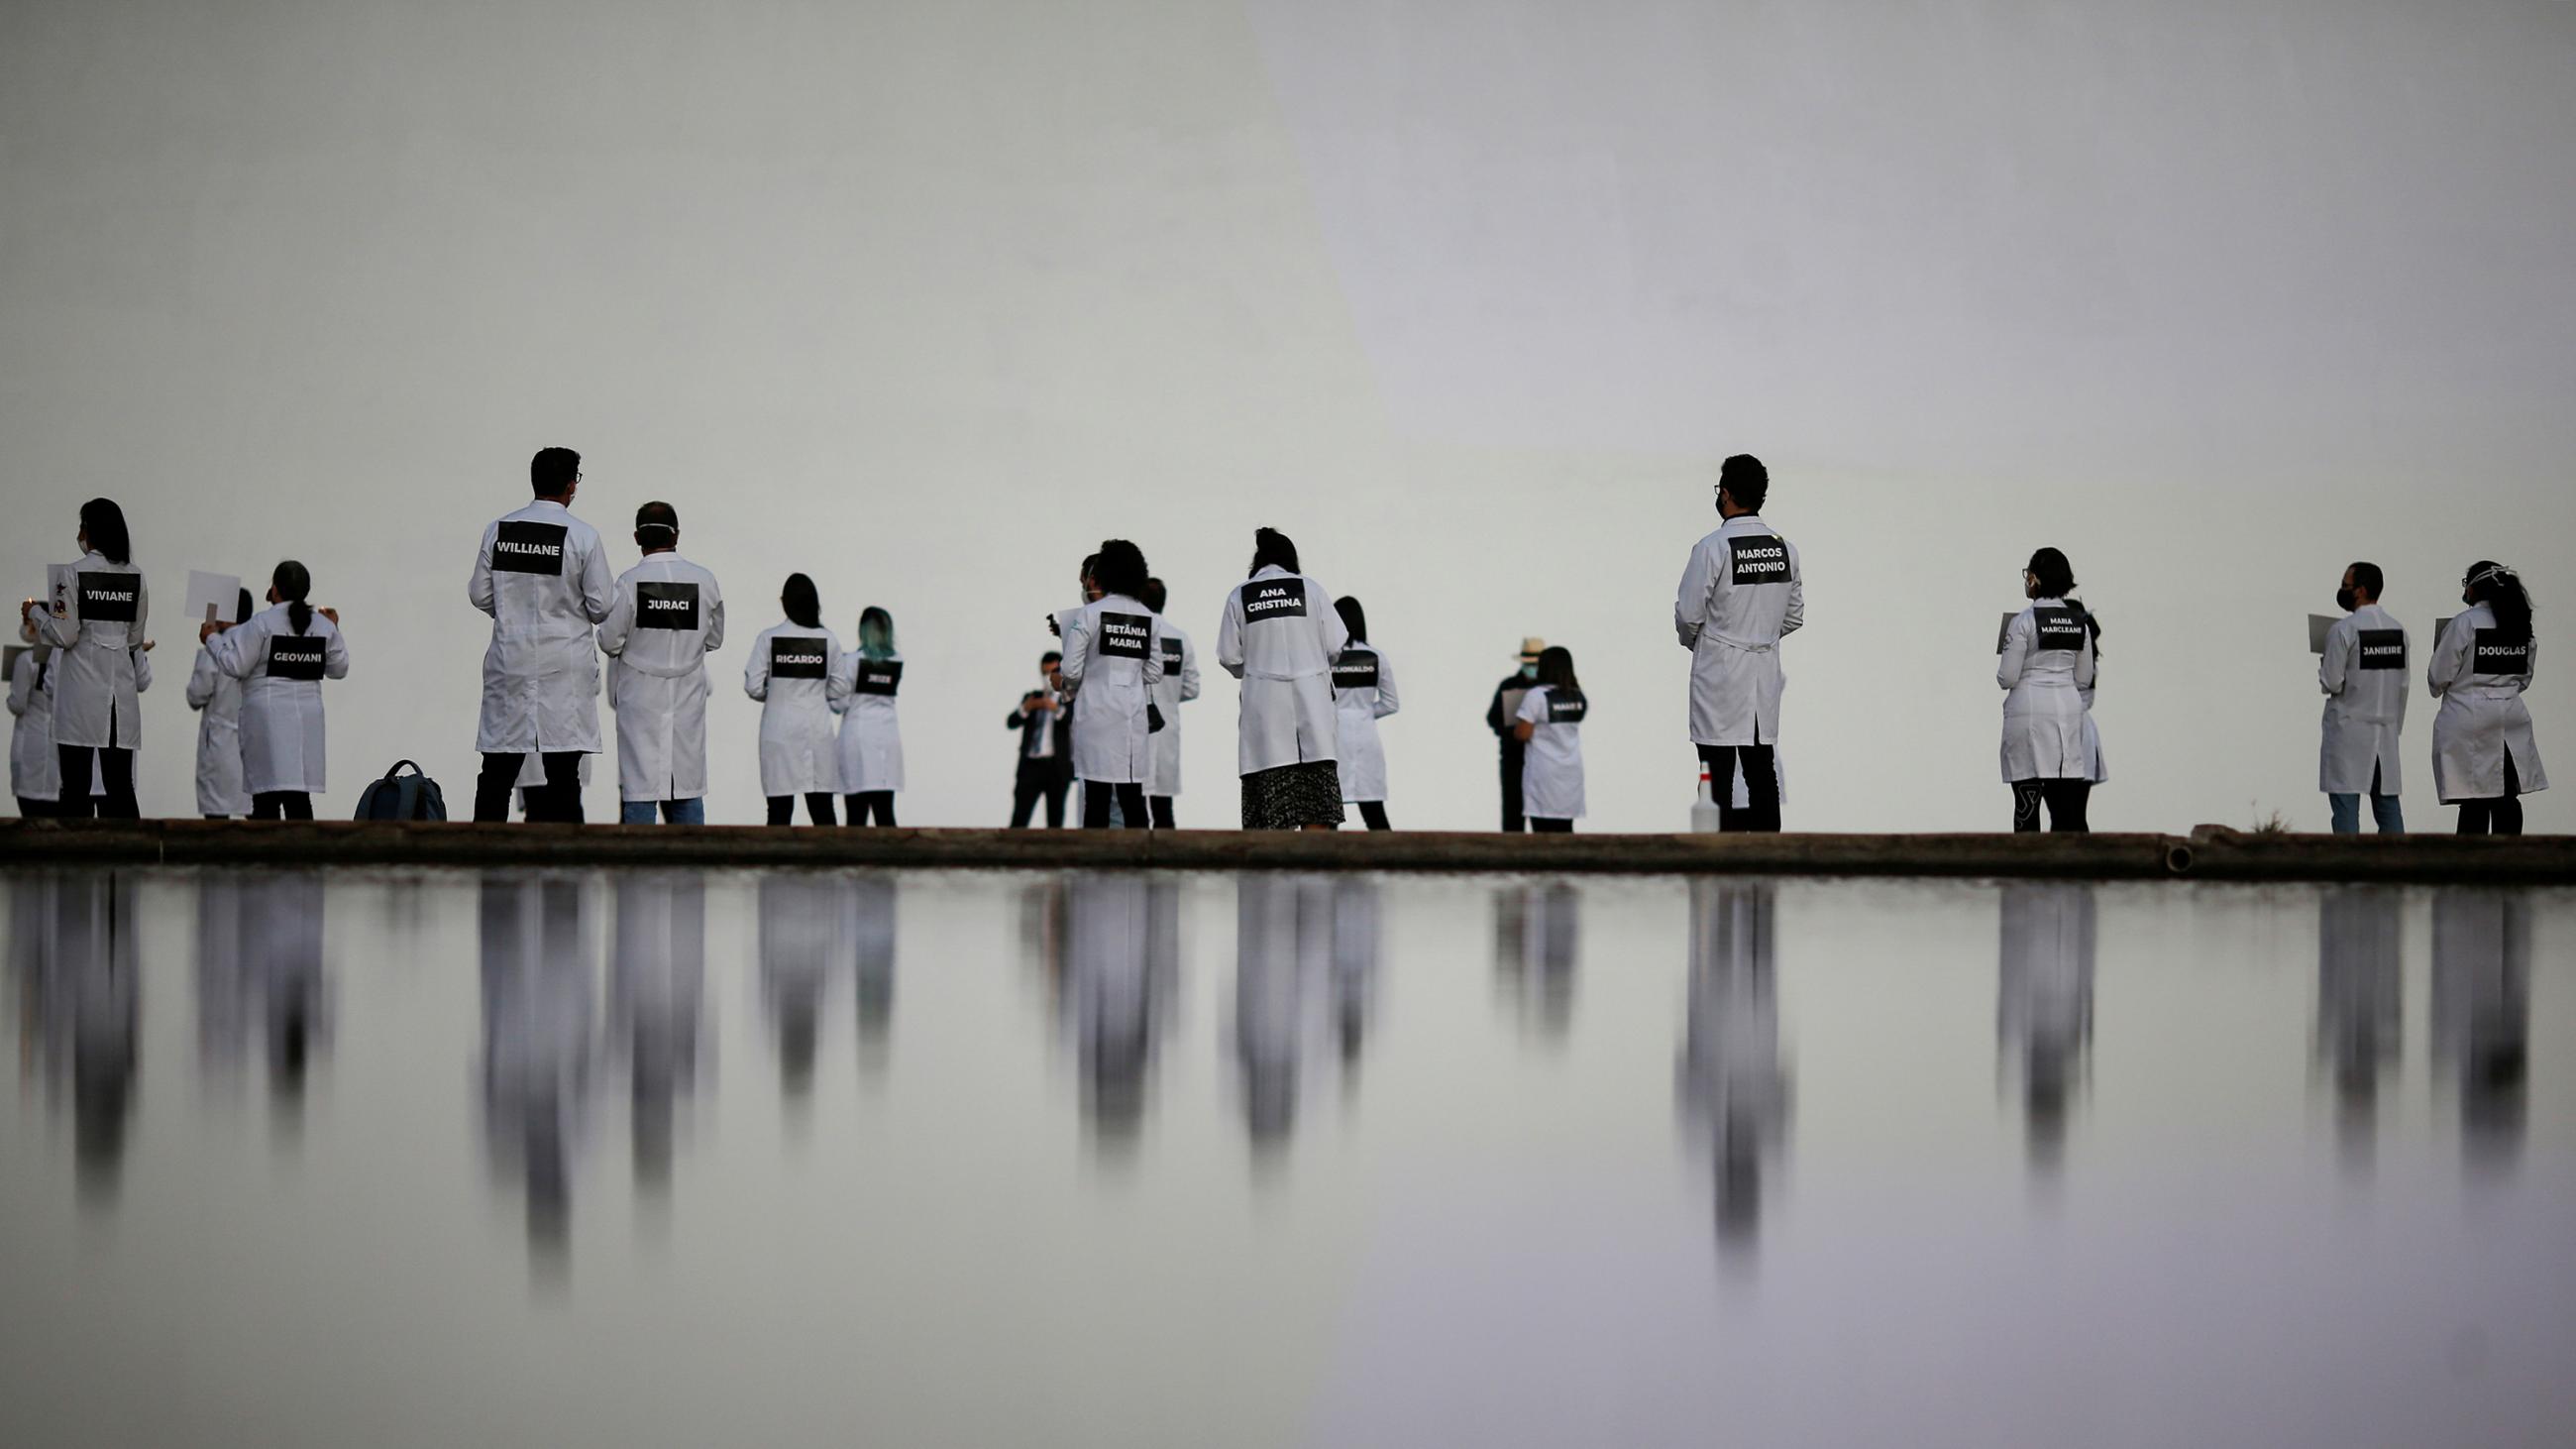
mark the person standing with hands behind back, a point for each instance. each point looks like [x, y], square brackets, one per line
[795, 673]
[871, 737]
[2484, 756]
[1280, 635]
[1740, 595]
[669, 617]
[2046, 667]
[281, 656]
[96, 628]
[543, 577]
[2363, 674]
[1551, 726]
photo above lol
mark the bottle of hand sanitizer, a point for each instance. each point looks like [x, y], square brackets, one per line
[1704, 814]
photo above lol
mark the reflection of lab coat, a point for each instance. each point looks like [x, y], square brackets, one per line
[656, 997]
[2044, 1005]
[805, 939]
[539, 1023]
[2481, 1027]
[1730, 1080]
[2482, 715]
[1111, 994]
[2359, 991]
[1283, 939]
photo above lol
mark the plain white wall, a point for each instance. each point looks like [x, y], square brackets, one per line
[926, 298]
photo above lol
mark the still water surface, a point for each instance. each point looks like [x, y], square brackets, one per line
[697, 1157]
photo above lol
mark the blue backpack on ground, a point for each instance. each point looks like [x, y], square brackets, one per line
[403, 797]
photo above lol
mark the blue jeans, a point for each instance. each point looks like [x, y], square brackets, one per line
[2346, 810]
[678, 812]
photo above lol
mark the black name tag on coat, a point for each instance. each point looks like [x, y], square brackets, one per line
[110, 598]
[2057, 629]
[1758, 558]
[2493, 654]
[2383, 648]
[665, 605]
[1356, 669]
[1274, 599]
[1172, 663]
[1566, 708]
[1124, 636]
[523, 546]
[878, 676]
[294, 656]
[793, 658]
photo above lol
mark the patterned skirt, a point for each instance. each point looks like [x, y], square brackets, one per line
[1293, 796]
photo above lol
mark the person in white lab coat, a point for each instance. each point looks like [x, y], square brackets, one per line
[1363, 694]
[1740, 594]
[2046, 665]
[217, 698]
[35, 772]
[2484, 756]
[871, 750]
[282, 655]
[667, 618]
[1178, 686]
[795, 673]
[1551, 731]
[543, 576]
[1113, 658]
[96, 626]
[2363, 674]
[1280, 636]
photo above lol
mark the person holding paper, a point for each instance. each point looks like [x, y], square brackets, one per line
[1113, 659]
[35, 774]
[2046, 666]
[217, 699]
[1741, 593]
[282, 655]
[543, 577]
[668, 617]
[96, 621]
[2363, 673]
[795, 673]
[2484, 757]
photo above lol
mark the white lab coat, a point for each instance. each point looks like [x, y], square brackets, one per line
[2044, 714]
[1363, 694]
[217, 698]
[35, 772]
[281, 719]
[1552, 762]
[797, 755]
[2482, 715]
[871, 749]
[2101, 774]
[98, 625]
[2365, 701]
[1178, 686]
[1280, 636]
[1740, 594]
[667, 618]
[1113, 658]
[545, 586]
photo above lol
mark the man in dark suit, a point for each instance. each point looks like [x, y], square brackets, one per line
[1045, 722]
[1499, 716]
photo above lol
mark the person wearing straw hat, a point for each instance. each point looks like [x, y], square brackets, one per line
[1503, 717]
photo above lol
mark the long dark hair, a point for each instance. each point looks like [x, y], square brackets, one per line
[103, 523]
[1271, 547]
[2500, 589]
[241, 610]
[1119, 568]
[2056, 576]
[1556, 667]
[876, 632]
[1354, 618]
[804, 606]
[293, 584]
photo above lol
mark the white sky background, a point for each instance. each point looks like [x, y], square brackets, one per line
[925, 299]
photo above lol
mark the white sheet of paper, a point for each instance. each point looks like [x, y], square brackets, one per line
[2319, 625]
[221, 590]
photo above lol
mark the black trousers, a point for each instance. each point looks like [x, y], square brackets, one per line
[1161, 805]
[818, 808]
[35, 809]
[1373, 814]
[281, 805]
[558, 799]
[1512, 818]
[2065, 800]
[2499, 816]
[1095, 804]
[1040, 780]
[116, 771]
[1761, 810]
[1542, 825]
[864, 803]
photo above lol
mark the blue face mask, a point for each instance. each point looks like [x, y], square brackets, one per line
[1529, 671]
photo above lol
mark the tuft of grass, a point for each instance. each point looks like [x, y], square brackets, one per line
[2271, 823]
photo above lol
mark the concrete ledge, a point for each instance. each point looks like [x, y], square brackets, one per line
[2207, 854]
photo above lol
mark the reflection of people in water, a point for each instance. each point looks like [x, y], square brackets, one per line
[2044, 1012]
[657, 962]
[2482, 1015]
[1302, 943]
[72, 949]
[2359, 1012]
[1123, 934]
[1355, 936]
[260, 977]
[539, 1017]
[874, 895]
[1536, 930]
[803, 941]
[1731, 1083]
